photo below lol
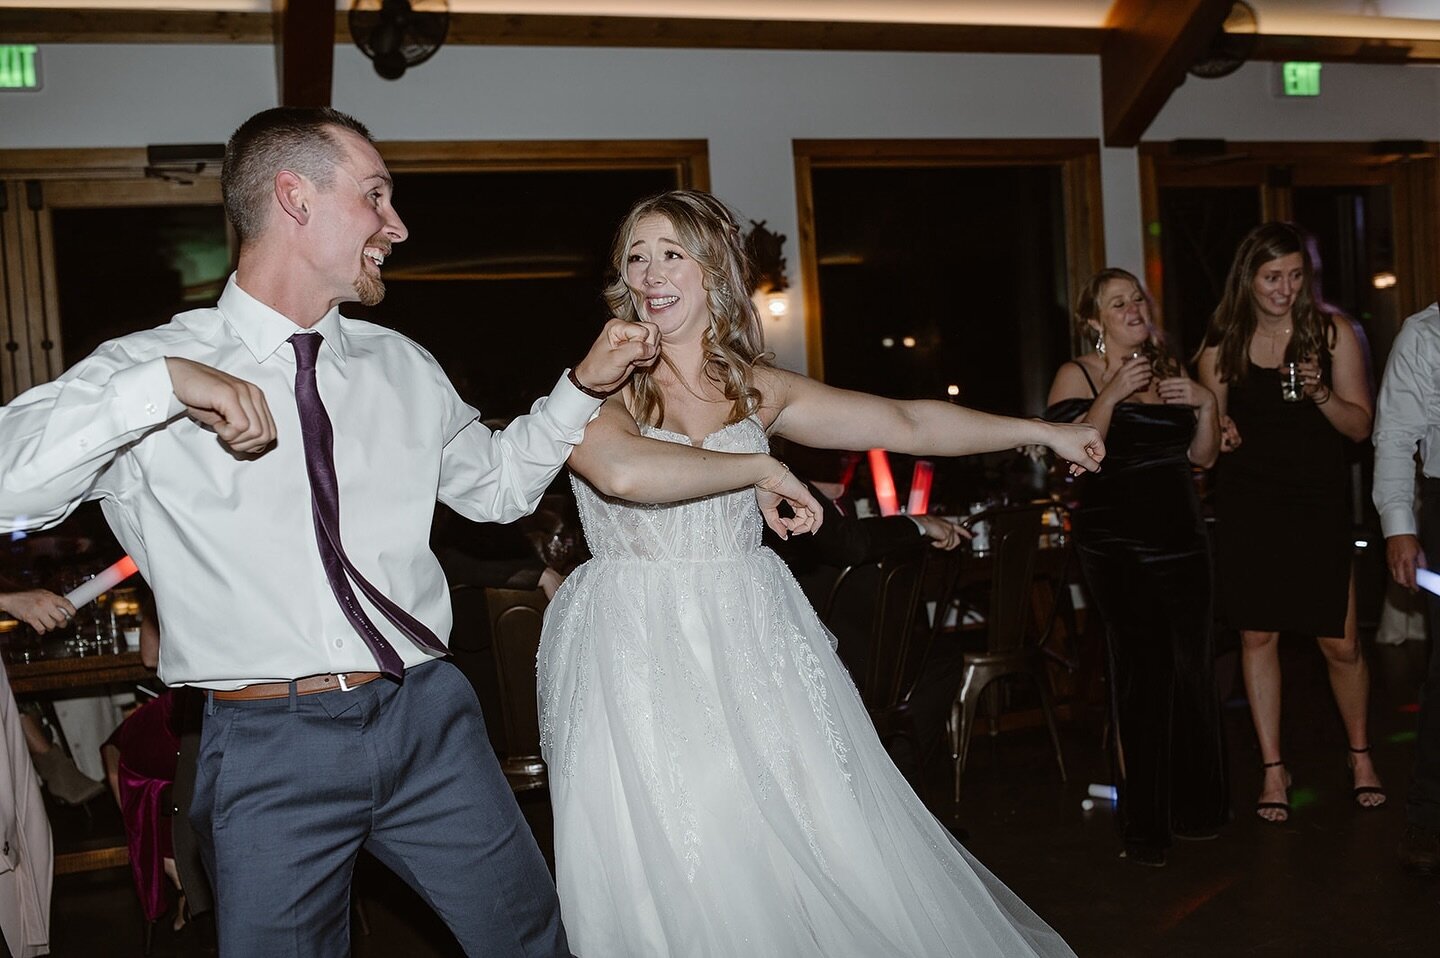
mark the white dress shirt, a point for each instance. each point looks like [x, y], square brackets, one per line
[227, 542]
[1407, 414]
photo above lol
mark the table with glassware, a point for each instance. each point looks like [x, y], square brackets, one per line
[99, 651]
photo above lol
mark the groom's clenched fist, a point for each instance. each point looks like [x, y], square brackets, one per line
[621, 348]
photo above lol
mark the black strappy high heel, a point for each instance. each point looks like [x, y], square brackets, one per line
[1360, 790]
[1278, 806]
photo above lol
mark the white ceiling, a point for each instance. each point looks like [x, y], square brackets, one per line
[1394, 19]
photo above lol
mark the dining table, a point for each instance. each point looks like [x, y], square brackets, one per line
[38, 669]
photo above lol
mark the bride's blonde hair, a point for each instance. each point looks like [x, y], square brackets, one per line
[734, 343]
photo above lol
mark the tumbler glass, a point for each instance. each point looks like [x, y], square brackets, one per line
[1291, 388]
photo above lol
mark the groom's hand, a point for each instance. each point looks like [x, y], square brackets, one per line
[234, 408]
[622, 348]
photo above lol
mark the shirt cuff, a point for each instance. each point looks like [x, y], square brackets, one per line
[1397, 521]
[571, 409]
[918, 524]
[144, 395]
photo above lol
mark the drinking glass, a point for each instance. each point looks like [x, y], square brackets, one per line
[1291, 389]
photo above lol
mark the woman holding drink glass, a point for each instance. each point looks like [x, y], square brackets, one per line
[1292, 387]
[1143, 549]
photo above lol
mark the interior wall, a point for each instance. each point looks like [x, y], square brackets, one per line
[748, 104]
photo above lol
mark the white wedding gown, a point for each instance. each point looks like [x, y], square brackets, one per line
[719, 790]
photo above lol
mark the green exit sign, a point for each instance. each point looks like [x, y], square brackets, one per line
[19, 66]
[1300, 78]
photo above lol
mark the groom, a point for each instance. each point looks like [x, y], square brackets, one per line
[273, 468]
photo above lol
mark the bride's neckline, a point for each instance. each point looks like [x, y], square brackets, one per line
[704, 439]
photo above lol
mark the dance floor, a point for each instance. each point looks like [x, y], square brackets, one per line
[1326, 884]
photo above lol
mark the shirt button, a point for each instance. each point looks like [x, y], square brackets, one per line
[84, 443]
[339, 643]
[150, 408]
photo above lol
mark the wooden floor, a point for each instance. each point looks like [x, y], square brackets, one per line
[1326, 884]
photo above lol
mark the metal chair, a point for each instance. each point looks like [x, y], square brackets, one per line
[516, 617]
[888, 659]
[1014, 541]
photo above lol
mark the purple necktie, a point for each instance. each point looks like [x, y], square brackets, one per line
[325, 508]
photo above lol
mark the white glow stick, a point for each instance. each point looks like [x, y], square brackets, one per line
[1427, 580]
[91, 588]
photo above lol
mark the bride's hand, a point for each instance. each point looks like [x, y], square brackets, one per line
[783, 486]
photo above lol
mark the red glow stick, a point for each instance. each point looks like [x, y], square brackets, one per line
[920, 482]
[89, 590]
[884, 482]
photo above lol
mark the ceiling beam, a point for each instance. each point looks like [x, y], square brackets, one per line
[1346, 49]
[304, 51]
[30, 25]
[68, 25]
[1150, 45]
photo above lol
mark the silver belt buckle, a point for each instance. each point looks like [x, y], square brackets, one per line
[343, 686]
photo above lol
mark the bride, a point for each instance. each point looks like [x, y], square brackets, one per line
[718, 787]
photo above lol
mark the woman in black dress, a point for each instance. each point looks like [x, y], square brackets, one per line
[1284, 536]
[1143, 550]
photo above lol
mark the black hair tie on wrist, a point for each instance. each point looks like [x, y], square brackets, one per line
[592, 393]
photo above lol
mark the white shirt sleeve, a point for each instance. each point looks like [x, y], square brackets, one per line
[57, 438]
[1401, 420]
[500, 476]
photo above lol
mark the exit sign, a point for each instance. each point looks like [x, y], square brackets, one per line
[1300, 78]
[19, 66]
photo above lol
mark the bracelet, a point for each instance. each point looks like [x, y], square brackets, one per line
[784, 471]
[1321, 402]
[592, 393]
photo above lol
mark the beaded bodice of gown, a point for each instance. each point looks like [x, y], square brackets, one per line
[728, 525]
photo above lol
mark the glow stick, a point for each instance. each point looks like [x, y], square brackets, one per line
[91, 588]
[1427, 580]
[884, 482]
[920, 482]
[1106, 792]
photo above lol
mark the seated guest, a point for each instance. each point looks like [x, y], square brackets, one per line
[1143, 550]
[150, 763]
[42, 611]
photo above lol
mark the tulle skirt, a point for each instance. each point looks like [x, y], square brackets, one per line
[719, 789]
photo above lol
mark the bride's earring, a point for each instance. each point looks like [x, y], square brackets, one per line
[1100, 341]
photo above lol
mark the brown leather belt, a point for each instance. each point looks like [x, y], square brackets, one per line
[306, 686]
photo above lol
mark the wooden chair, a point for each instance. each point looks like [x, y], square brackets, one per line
[889, 656]
[472, 651]
[1014, 541]
[516, 616]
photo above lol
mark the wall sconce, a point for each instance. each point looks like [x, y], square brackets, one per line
[767, 260]
[1384, 280]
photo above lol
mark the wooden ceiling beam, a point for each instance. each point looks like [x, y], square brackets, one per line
[21, 25]
[304, 32]
[1346, 49]
[31, 25]
[1149, 46]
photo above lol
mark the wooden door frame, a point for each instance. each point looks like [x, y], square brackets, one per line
[1277, 167]
[1078, 160]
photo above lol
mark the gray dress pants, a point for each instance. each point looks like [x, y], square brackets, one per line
[289, 790]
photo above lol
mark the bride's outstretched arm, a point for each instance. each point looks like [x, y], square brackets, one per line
[822, 416]
[618, 461]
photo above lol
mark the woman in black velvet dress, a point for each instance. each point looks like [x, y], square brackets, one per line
[1283, 536]
[1143, 550]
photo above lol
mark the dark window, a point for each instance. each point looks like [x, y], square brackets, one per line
[1200, 229]
[501, 278]
[120, 269]
[966, 263]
